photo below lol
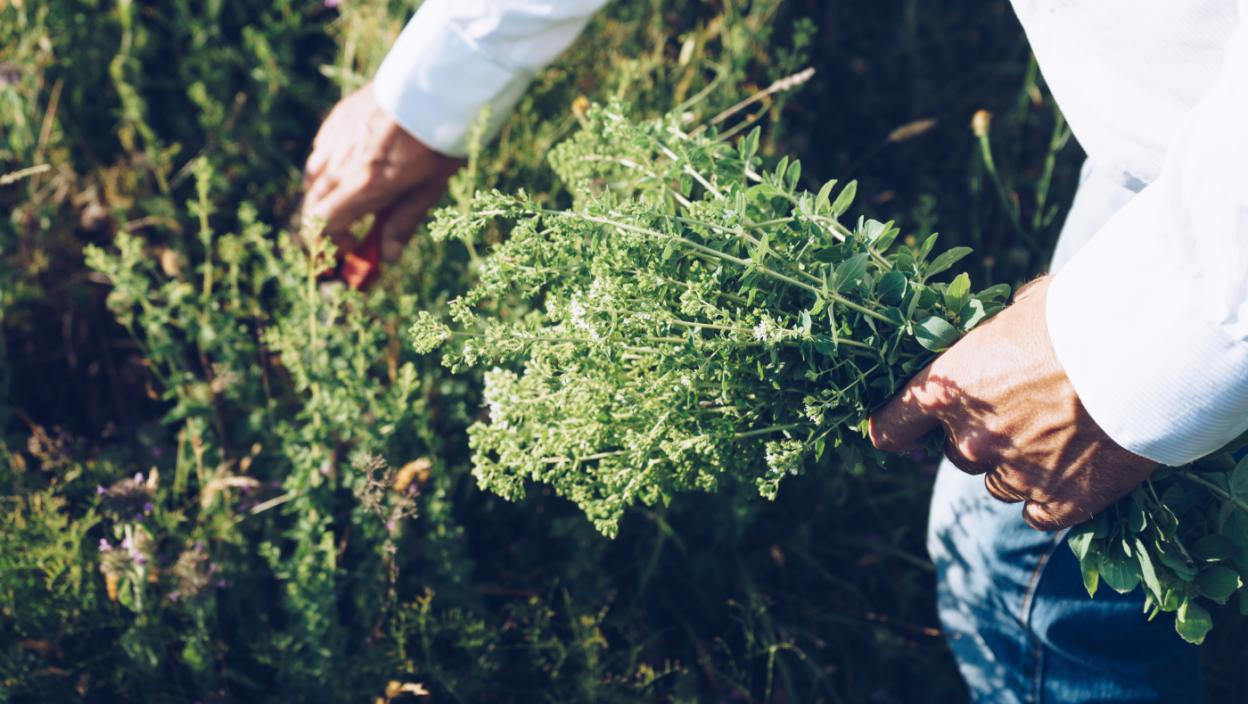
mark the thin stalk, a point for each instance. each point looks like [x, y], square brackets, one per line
[703, 249]
[1217, 490]
[767, 431]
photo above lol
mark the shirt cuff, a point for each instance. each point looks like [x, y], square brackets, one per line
[435, 83]
[1160, 378]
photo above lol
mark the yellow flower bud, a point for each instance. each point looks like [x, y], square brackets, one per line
[981, 121]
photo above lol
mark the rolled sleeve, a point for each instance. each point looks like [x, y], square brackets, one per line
[1150, 319]
[458, 58]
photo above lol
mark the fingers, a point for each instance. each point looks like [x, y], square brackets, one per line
[346, 203]
[398, 224]
[315, 168]
[958, 455]
[1000, 489]
[1055, 515]
[903, 421]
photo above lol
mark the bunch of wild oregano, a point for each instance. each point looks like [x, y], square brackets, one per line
[697, 316]
[694, 316]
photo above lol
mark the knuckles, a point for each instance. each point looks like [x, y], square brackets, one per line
[1048, 518]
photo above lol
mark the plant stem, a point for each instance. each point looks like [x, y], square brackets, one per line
[1217, 490]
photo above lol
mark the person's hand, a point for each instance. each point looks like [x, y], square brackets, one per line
[1010, 413]
[363, 162]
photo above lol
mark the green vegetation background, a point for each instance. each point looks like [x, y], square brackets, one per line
[270, 417]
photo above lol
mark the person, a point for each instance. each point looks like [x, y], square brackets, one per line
[1132, 353]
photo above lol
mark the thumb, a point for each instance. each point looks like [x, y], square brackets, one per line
[902, 422]
[402, 219]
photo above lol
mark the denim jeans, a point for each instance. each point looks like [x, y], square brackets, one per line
[1011, 599]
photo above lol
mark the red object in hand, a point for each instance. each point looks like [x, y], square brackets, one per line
[361, 266]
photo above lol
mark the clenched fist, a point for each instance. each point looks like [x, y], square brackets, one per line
[1010, 413]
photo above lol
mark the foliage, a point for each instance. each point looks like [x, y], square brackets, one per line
[696, 316]
[699, 316]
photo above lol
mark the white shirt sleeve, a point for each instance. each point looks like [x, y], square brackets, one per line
[1150, 319]
[457, 57]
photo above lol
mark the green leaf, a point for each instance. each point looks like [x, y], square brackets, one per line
[927, 246]
[999, 293]
[823, 200]
[748, 147]
[844, 199]
[1218, 583]
[1214, 547]
[972, 314]
[1239, 479]
[1193, 622]
[935, 333]
[946, 259]
[849, 272]
[957, 292]
[886, 238]
[1090, 570]
[1136, 519]
[1148, 572]
[1080, 540]
[1119, 571]
[891, 288]
[794, 175]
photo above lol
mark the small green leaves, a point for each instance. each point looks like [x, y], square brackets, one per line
[935, 333]
[823, 199]
[845, 199]
[427, 332]
[1081, 542]
[945, 259]
[891, 287]
[1193, 622]
[848, 274]
[1218, 583]
[747, 148]
[1213, 548]
[958, 292]
[1239, 479]
[1117, 569]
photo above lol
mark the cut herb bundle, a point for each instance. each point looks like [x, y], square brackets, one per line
[695, 316]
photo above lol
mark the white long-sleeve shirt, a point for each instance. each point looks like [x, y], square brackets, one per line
[1150, 318]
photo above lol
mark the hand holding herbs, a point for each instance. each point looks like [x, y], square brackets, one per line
[696, 316]
[1011, 414]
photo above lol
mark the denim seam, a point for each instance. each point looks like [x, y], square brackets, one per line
[1029, 602]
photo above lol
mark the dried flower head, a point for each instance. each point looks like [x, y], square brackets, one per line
[129, 498]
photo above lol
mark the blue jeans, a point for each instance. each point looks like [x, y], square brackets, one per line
[1011, 599]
